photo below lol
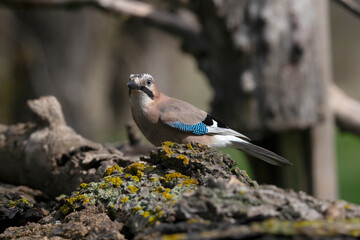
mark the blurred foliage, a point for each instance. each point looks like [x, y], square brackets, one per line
[348, 153]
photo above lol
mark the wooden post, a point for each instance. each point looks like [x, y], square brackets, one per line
[323, 153]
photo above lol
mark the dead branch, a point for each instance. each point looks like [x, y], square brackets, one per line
[346, 109]
[351, 5]
[180, 22]
[48, 155]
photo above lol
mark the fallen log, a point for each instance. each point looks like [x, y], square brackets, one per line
[175, 192]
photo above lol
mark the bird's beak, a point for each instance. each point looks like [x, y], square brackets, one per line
[132, 85]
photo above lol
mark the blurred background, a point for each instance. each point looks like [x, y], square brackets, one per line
[84, 57]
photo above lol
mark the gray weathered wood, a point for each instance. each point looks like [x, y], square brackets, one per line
[261, 59]
[323, 156]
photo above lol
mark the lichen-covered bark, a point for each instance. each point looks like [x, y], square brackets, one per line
[48, 155]
[176, 192]
[89, 223]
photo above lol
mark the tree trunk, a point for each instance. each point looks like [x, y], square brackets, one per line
[265, 60]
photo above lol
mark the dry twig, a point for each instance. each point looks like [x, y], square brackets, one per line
[351, 5]
[346, 109]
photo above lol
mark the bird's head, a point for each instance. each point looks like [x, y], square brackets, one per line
[143, 87]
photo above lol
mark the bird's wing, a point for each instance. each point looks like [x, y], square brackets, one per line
[186, 117]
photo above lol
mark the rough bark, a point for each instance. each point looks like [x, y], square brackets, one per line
[261, 57]
[48, 155]
[189, 190]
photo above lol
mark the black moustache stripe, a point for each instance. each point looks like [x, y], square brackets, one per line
[147, 91]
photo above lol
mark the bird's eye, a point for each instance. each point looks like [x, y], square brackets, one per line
[148, 83]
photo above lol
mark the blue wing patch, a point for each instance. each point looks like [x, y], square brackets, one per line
[198, 129]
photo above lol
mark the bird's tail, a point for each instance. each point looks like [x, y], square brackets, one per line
[261, 153]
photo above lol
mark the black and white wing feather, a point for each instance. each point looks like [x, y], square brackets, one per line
[215, 127]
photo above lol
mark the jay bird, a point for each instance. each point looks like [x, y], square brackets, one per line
[162, 118]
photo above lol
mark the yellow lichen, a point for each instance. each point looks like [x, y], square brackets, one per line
[184, 158]
[145, 214]
[136, 169]
[172, 176]
[167, 196]
[137, 208]
[65, 209]
[192, 220]
[152, 219]
[160, 189]
[124, 199]
[168, 151]
[175, 236]
[21, 200]
[139, 173]
[355, 232]
[189, 182]
[189, 146]
[115, 181]
[79, 199]
[135, 178]
[167, 144]
[83, 185]
[347, 206]
[196, 160]
[133, 189]
[153, 179]
[112, 169]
